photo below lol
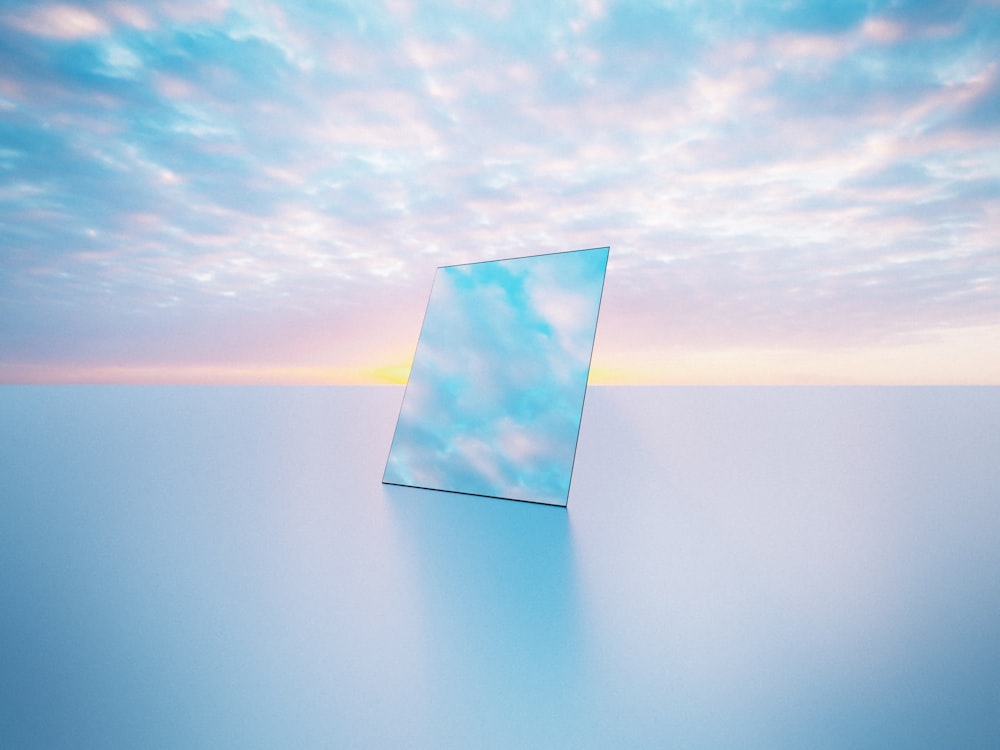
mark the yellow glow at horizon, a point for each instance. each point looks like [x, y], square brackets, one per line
[390, 375]
[171, 374]
[969, 356]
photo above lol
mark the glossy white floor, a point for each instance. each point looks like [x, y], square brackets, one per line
[752, 568]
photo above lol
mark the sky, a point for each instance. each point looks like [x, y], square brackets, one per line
[258, 192]
[495, 395]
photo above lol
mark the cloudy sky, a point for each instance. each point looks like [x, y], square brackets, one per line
[210, 191]
[495, 395]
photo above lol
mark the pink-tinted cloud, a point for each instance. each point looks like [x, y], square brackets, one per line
[58, 21]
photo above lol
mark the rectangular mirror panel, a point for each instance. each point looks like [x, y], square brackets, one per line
[495, 394]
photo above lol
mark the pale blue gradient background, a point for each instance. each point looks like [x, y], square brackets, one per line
[738, 567]
[495, 394]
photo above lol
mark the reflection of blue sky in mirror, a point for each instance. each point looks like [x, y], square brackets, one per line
[495, 395]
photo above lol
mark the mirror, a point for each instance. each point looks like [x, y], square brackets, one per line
[495, 395]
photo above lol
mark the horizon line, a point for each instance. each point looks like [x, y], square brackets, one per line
[397, 375]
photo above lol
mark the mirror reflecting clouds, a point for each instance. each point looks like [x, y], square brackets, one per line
[495, 395]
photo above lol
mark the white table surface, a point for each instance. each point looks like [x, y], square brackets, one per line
[737, 568]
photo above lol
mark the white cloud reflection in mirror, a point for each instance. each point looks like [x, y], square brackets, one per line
[495, 395]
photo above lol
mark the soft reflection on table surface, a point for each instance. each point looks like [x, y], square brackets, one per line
[738, 567]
